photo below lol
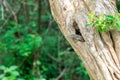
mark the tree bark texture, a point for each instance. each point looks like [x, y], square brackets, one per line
[100, 52]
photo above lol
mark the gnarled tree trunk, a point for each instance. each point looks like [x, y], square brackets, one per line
[100, 53]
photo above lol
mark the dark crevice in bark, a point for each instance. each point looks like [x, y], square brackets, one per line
[104, 42]
[113, 45]
[96, 46]
[77, 33]
[107, 46]
[101, 38]
[116, 76]
[112, 40]
[77, 30]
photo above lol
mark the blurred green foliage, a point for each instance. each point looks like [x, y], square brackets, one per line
[9, 73]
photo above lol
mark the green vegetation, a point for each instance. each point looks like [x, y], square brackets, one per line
[104, 22]
[9, 73]
[31, 45]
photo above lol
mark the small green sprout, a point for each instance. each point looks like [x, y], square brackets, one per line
[104, 22]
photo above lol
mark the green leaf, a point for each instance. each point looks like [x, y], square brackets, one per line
[2, 76]
[118, 25]
[101, 18]
[2, 67]
[38, 41]
[100, 29]
[15, 73]
[110, 16]
[13, 68]
[89, 24]
[91, 16]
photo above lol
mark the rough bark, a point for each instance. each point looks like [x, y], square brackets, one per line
[100, 53]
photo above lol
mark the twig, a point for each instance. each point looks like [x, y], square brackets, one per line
[53, 58]
[2, 10]
[61, 74]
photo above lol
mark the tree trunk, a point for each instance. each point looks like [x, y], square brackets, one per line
[100, 52]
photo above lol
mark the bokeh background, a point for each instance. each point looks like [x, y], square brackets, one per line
[32, 46]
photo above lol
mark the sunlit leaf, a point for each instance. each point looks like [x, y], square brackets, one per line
[118, 25]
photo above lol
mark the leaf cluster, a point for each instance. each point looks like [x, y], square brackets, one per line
[9, 73]
[104, 22]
